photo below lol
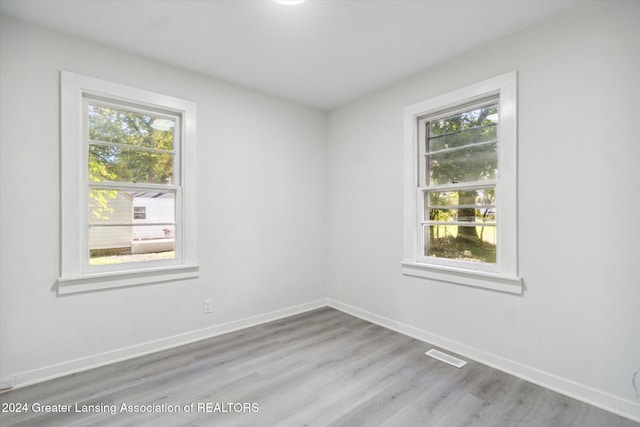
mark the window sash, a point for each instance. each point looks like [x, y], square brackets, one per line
[422, 249]
[178, 259]
[423, 135]
[139, 109]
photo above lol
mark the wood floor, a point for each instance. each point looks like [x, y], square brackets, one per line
[321, 368]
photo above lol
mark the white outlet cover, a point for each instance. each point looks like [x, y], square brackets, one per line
[208, 306]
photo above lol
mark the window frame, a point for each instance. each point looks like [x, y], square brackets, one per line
[503, 275]
[175, 188]
[76, 273]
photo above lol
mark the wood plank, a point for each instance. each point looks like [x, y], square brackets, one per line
[320, 368]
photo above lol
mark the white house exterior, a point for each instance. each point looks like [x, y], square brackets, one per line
[114, 210]
[152, 216]
[153, 208]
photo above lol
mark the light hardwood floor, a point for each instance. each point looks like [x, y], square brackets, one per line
[321, 368]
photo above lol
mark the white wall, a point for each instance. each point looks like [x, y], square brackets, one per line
[260, 212]
[577, 327]
[264, 169]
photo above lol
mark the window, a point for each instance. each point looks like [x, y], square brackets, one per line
[461, 184]
[132, 157]
[128, 186]
[139, 212]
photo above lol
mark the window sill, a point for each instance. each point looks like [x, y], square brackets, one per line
[110, 280]
[496, 282]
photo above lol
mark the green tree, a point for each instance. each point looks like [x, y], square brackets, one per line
[469, 155]
[126, 146]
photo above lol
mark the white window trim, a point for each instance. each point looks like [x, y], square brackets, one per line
[505, 275]
[75, 276]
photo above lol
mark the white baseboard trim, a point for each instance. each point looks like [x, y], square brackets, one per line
[39, 375]
[597, 398]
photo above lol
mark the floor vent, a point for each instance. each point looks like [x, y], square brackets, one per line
[458, 363]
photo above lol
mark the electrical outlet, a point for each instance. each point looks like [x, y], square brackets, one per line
[8, 382]
[208, 306]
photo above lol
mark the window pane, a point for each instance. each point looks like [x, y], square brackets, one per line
[116, 164]
[482, 116]
[107, 206]
[116, 245]
[474, 163]
[487, 215]
[478, 197]
[469, 136]
[464, 243]
[119, 126]
[475, 205]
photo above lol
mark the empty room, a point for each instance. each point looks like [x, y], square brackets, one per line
[321, 212]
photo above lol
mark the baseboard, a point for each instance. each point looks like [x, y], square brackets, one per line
[39, 375]
[597, 398]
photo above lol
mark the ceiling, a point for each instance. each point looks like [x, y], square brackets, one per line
[321, 53]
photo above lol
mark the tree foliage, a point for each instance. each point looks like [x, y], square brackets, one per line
[129, 155]
[463, 148]
[123, 148]
[467, 161]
